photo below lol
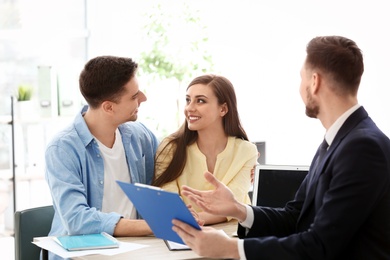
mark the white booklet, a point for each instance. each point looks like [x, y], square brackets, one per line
[173, 246]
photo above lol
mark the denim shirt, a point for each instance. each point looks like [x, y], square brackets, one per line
[75, 175]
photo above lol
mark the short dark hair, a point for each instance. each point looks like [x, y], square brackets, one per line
[103, 78]
[339, 57]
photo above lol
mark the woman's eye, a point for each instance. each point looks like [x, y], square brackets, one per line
[201, 101]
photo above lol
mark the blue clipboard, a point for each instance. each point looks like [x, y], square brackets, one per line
[158, 208]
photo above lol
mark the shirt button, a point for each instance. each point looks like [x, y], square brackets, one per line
[101, 182]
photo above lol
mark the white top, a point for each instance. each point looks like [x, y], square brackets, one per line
[115, 168]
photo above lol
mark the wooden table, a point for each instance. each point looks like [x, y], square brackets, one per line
[157, 249]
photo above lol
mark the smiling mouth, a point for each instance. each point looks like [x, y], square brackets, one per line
[193, 118]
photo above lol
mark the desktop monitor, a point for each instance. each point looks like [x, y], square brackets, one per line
[274, 185]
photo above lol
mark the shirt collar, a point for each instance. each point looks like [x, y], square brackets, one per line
[332, 131]
[82, 128]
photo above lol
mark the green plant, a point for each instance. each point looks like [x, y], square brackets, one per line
[24, 93]
[175, 46]
[175, 49]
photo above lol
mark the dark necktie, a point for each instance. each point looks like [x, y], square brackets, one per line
[321, 152]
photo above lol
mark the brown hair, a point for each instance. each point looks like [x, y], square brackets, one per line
[338, 56]
[178, 141]
[103, 78]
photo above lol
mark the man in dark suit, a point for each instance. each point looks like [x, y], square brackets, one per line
[342, 208]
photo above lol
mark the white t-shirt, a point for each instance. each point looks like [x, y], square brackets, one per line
[116, 168]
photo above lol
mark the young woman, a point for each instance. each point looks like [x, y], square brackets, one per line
[211, 139]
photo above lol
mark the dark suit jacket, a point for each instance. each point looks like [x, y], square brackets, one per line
[344, 214]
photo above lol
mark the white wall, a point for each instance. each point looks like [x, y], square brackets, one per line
[260, 47]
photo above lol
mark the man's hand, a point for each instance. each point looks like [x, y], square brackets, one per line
[207, 242]
[219, 201]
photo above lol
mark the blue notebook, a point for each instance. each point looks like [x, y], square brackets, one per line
[158, 208]
[87, 242]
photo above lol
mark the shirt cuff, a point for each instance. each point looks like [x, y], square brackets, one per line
[250, 216]
[241, 251]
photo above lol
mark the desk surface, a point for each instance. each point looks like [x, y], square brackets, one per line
[157, 249]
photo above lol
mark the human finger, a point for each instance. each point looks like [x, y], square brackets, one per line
[196, 215]
[198, 200]
[211, 179]
[186, 237]
[184, 230]
[189, 190]
[191, 194]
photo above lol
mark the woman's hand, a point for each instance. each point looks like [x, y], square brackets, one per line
[196, 216]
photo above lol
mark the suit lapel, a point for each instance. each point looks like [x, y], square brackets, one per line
[351, 122]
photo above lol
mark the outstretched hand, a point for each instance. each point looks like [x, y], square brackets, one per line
[219, 201]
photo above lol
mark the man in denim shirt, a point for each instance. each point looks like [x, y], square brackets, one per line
[102, 145]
